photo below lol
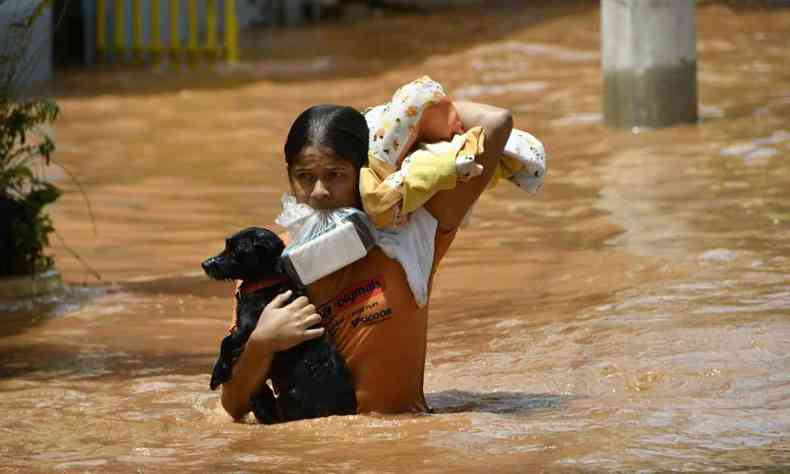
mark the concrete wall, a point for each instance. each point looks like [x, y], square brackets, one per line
[35, 65]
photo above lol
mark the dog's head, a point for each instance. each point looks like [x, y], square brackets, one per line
[251, 254]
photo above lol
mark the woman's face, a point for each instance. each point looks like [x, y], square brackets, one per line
[322, 180]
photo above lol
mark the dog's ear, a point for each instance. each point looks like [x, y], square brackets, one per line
[269, 242]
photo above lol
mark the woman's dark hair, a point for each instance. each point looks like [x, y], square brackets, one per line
[340, 128]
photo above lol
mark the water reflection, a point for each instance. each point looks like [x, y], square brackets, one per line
[457, 401]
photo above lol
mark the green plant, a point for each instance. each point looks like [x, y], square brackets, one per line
[25, 148]
[25, 228]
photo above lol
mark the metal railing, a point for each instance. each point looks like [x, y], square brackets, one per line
[202, 39]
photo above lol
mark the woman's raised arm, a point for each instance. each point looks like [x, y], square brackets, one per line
[449, 207]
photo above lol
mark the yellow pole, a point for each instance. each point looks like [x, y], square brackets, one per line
[137, 30]
[120, 31]
[175, 48]
[231, 32]
[192, 45]
[211, 28]
[101, 29]
[156, 31]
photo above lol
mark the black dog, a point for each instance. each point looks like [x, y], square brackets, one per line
[311, 379]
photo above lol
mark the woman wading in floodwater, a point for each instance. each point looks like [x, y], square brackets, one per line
[368, 305]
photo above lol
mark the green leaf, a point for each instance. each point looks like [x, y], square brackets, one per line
[46, 149]
[43, 194]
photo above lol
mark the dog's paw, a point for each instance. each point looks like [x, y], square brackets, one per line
[236, 352]
[221, 374]
[264, 406]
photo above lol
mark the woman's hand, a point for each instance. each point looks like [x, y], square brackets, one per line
[282, 326]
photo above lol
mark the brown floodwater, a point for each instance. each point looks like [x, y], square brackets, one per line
[633, 316]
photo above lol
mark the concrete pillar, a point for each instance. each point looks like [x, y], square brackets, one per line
[649, 62]
[35, 63]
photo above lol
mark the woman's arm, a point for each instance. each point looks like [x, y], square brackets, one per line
[449, 207]
[280, 327]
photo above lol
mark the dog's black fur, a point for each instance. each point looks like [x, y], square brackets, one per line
[311, 379]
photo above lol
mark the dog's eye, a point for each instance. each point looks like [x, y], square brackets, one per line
[244, 245]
